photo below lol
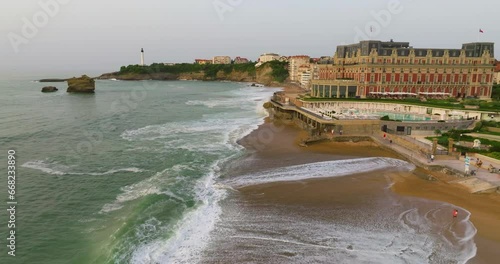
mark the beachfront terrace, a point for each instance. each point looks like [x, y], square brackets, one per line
[375, 110]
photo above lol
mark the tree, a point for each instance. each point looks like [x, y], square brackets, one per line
[495, 93]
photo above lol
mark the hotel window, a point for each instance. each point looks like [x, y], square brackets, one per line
[372, 79]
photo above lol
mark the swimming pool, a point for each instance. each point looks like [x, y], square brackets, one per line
[404, 117]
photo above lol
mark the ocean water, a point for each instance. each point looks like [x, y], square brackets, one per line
[132, 174]
[103, 177]
[358, 219]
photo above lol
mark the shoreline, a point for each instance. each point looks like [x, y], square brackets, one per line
[484, 208]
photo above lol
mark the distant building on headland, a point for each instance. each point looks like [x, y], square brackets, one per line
[221, 60]
[496, 74]
[240, 60]
[202, 61]
[266, 57]
[395, 69]
[297, 65]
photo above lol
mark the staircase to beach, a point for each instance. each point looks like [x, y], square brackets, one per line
[476, 185]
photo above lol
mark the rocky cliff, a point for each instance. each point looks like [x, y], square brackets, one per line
[82, 84]
[262, 74]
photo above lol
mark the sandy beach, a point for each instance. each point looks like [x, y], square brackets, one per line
[319, 201]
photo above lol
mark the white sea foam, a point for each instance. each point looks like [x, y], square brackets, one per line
[323, 169]
[379, 230]
[54, 169]
[215, 133]
[242, 99]
[140, 189]
[456, 235]
[58, 169]
[213, 103]
[192, 232]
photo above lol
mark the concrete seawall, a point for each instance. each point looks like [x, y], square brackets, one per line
[320, 129]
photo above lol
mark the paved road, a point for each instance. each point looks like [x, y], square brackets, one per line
[486, 136]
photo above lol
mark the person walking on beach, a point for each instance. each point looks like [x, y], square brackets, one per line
[455, 213]
[432, 157]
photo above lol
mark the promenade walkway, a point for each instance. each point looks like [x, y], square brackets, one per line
[482, 181]
[486, 136]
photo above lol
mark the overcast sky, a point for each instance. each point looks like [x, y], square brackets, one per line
[74, 37]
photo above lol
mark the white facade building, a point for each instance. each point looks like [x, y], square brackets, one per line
[221, 60]
[266, 57]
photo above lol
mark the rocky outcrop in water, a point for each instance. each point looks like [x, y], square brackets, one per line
[49, 89]
[83, 84]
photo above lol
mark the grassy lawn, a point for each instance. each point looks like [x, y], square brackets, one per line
[489, 133]
[493, 152]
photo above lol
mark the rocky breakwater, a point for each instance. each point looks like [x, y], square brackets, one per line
[82, 84]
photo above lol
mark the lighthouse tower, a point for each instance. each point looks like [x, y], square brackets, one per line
[142, 57]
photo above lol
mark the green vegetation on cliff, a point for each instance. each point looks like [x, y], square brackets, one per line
[273, 71]
[280, 70]
[461, 135]
[210, 70]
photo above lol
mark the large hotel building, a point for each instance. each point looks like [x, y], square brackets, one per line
[395, 69]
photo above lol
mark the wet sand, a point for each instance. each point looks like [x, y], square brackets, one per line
[276, 145]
